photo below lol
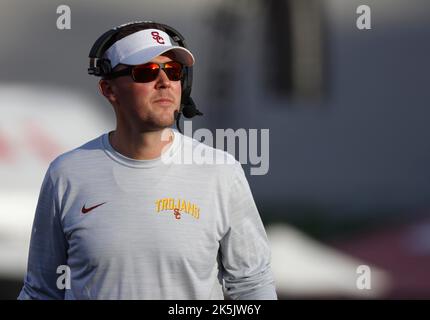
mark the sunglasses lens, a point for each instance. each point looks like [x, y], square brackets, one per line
[173, 70]
[148, 72]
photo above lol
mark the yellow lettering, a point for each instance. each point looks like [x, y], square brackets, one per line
[189, 206]
[165, 201]
[171, 203]
[184, 205]
[158, 204]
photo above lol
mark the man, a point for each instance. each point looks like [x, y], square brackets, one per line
[126, 218]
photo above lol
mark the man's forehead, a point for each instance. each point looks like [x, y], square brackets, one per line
[164, 56]
[171, 54]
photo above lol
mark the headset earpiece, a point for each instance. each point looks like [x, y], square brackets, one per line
[105, 66]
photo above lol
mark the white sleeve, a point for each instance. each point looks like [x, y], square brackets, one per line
[48, 248]
[244, 249]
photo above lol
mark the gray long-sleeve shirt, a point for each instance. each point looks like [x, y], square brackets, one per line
[167, 228]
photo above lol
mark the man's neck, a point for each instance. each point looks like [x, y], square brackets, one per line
[141, 146]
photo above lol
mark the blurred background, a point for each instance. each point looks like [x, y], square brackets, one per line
[347, 109]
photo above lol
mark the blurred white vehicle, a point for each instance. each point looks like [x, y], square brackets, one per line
[305, 268]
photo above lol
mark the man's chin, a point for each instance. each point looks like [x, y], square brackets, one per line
[166, 119]
[159, 124]
[159, 120]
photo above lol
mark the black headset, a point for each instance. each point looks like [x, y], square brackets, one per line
[101, 67]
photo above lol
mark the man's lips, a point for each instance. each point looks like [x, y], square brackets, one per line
[163, 100]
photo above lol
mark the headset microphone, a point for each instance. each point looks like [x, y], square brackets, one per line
[189, 110]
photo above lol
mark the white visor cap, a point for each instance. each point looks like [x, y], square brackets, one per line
[143, 46]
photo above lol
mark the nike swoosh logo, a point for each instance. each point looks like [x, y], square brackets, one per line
[86, 210]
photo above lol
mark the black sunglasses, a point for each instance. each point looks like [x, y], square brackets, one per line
[149, 71]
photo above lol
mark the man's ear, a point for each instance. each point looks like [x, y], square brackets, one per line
[105, 88]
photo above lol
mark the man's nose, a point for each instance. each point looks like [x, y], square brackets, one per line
[162, 80]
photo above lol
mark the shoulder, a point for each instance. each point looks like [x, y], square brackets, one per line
[77, 158]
